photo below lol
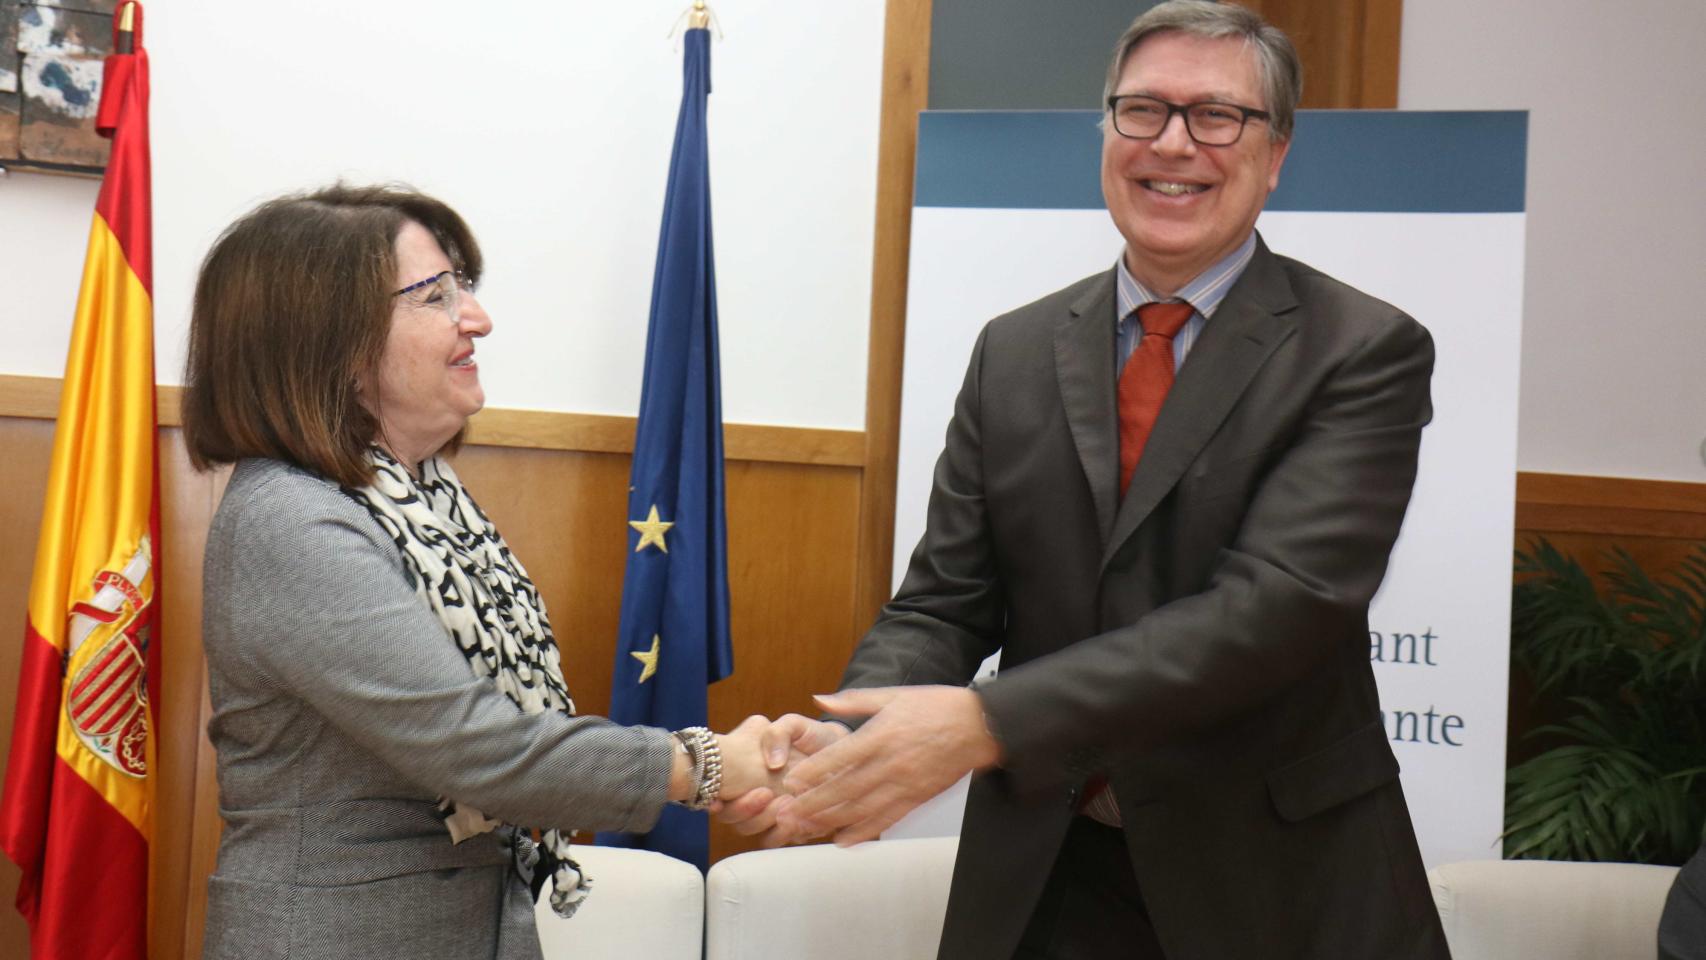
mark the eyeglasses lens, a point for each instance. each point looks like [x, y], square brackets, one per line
[450, 297]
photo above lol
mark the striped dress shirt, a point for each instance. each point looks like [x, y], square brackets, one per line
[1204, 294]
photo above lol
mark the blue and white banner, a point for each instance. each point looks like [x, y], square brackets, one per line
[1423, 210]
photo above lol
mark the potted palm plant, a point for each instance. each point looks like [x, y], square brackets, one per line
[1625, 778]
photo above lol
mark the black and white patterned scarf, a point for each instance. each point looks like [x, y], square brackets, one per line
[463, 570]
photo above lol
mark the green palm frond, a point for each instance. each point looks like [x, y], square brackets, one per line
[1562, 632]
[1675, 615]
[1599, 798]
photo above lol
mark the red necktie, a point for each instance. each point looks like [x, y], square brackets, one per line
[1147, 377]
[1143, 386]
[1144, 383]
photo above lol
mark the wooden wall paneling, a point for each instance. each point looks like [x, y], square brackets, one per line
[186, 829]
[38, 397]
[1383, 28]
[1656, 555]
[906, 79]
[1611, 506]
[28, 448]
[1656, 522]
[793, 531]
[206, 826]
[29, 397]
[1349, 49]
[793, 539]
[184, 508]
[586, 432]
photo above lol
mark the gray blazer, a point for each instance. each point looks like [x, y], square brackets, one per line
[1203, 640]
[341, 710]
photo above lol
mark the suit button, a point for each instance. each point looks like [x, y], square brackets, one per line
[1072, 798]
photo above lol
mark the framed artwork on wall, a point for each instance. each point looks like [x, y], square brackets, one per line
[50, 84]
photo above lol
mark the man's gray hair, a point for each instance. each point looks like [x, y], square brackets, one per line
[1276, 59]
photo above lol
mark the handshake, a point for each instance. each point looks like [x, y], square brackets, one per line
[795, 779]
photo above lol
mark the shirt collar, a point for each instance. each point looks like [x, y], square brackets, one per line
[1204, 293]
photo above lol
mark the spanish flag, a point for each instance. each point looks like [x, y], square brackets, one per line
[76, 814]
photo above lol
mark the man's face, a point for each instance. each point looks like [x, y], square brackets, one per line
[1182, 206]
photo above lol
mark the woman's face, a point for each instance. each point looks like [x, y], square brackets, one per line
[427, 384]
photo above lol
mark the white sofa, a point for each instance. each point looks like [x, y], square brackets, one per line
[643, 904]
[887, 898]
[880, 899]
[1544, 910]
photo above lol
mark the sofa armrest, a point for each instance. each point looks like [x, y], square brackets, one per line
[1521, 909]
[884, 899]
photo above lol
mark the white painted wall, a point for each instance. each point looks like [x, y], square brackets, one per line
[44, 232]
[1614, 336]
[549, 127]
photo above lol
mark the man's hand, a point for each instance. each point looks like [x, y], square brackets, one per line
[918, 742]
[784, 743]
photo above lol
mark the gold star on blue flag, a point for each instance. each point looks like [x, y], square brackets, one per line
[651, 531]
[648, 659]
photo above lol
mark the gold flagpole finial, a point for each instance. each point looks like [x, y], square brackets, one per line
[698, 17]
[125, 36]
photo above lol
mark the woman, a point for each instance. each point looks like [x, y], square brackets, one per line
[389, 715]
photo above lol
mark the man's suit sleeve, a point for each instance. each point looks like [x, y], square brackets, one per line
[1296, 582]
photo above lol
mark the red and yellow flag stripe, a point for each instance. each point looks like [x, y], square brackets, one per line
[76, 814]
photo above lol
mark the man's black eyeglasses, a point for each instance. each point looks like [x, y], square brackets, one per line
[1208, 122]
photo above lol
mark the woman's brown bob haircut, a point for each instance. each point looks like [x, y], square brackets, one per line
[292, 309]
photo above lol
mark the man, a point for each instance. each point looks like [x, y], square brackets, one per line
[1182, 755]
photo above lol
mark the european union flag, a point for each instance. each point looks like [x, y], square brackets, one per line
[674, 634]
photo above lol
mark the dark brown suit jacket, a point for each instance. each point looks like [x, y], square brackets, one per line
[1204, 641]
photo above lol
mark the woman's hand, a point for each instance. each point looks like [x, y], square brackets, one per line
[746, 764]
[786, 742]
[755, 757]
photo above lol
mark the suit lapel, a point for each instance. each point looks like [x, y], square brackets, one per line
[1250, 324]
[1084, 367]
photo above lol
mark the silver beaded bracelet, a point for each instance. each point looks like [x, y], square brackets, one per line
[707, 760]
